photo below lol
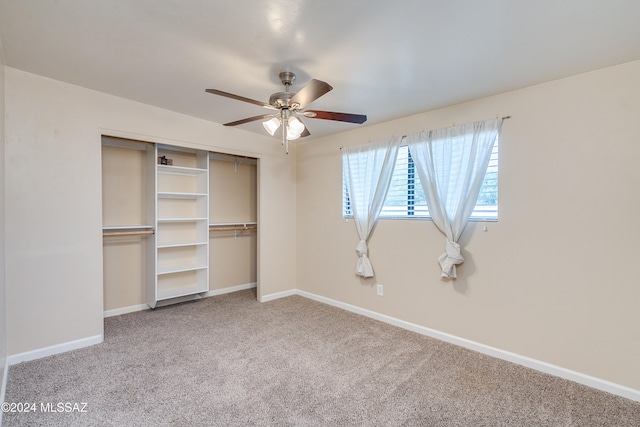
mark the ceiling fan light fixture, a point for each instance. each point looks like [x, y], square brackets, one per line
[292, 136]
[294, 128]
[272, 125]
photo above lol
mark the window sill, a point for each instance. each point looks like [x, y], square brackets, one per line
[426, 218]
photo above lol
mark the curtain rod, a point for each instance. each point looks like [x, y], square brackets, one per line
[503, 118]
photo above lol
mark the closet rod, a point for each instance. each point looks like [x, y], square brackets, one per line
[236, 228]
[127, 233]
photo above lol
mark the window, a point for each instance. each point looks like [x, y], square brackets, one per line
[406, 199]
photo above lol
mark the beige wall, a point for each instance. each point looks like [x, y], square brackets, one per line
[3, 305]
[232, 198]
[554, 278]
[123, 186]
[232, 190]
[53, 195]
[123, 203]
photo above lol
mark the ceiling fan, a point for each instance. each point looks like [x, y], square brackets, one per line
[288, 106]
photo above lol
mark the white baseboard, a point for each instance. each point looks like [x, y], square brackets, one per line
[54, 349]
[278, 295]
[4, 382]
[142, 307]
[125, 310]
[230, 289]
[528, 362]
[5, 375]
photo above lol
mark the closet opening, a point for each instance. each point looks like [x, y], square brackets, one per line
[178, 224]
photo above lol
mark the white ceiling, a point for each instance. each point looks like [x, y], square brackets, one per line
[385, 59]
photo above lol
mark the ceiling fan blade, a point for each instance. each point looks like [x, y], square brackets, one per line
[331, 115]
[312, 91]
[239, 98]
[305, 132]
[247, 120]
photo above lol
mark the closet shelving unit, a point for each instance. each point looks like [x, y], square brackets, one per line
[180, 257]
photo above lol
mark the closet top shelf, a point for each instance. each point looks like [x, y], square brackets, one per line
[180, 170]
[176, 195]
[194, 219]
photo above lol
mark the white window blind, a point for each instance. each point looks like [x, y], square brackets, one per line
[405, 198]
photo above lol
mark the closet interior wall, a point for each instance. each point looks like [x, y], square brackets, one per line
[124, 203]
[232, 200]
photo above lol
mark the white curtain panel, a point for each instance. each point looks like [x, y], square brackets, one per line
[451, 164]
[368, 170]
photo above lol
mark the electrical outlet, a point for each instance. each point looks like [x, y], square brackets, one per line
[379, 290]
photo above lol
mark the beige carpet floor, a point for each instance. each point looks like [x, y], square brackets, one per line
[231, 361]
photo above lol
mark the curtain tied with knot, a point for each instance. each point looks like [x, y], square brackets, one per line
[363, 267]
[449, 259]
[367, 173]
[451, 164]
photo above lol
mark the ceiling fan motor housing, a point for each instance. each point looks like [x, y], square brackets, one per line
[287, 78]
[281, 99]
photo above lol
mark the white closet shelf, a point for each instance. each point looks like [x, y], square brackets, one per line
[175, 195]
[180, 269]
[180, 170]
[181, 244]
[167, 220]
[232, 224]
[126, 227]
[179, 292]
